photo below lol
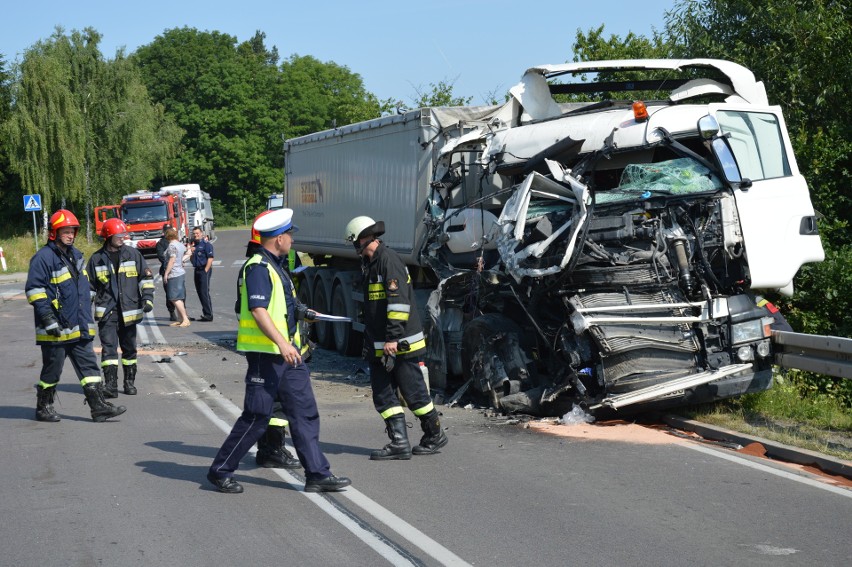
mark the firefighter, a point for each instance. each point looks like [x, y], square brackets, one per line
[58, 289]
[395, 344]
[269, 311]
[124, 292]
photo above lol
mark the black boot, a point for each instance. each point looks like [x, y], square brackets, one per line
[434, 437]
[129, 379]
[111, 381]
[271, 452]
[399, 447]
[44, 404]
[101, 409]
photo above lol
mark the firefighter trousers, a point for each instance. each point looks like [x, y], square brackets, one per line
[114, 334]
[407, 376]
[83, 359]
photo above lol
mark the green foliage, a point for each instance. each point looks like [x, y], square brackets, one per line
[82, 129]
[317, 96]
[441, 94]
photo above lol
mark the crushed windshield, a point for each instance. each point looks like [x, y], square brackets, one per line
[680, 176]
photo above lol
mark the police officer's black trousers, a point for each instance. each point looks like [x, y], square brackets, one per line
[269, 377]
[82, 356]
[202, 287]
[113, 334]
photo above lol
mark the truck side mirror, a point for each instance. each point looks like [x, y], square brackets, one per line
[708, 128]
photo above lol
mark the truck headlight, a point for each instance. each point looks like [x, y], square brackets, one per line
[745, 354]
[747, 331]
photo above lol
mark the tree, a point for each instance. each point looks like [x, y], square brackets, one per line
[318, 96]
[83, 128]
[225, 96]
[440, 95]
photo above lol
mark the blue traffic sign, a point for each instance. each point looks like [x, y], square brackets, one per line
[32, 203]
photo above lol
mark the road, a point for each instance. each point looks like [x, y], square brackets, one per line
[132, 491]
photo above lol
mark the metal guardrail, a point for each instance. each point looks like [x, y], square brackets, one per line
[827, 355]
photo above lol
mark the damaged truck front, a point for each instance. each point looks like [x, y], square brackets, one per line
[601, 253]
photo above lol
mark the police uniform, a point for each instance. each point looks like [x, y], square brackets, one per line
[124, 288]
[266, 284]
[58, 289]
[202, 252]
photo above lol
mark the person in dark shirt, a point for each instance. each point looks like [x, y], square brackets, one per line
[202, 260]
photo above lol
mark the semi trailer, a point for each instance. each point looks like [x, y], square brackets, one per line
[571, 247]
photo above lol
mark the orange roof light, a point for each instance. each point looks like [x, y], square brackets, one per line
[640, 113]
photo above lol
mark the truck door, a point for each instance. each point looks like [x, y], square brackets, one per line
[776, 213]
[105, 212]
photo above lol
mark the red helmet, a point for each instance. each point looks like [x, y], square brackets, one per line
[255, 235]
[59, 219]
[113, 226]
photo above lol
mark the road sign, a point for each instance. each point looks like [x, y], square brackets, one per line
[32, 203]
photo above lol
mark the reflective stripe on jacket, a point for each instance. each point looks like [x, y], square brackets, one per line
[249, 336]
[129, 289]
[389, 310]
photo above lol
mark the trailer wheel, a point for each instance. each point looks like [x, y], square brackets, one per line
[304, 295]
[347, 341]
[321, 303]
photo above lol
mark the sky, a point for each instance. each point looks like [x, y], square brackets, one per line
[399, 47]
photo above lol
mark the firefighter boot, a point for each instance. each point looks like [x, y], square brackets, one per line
[111, 381]
[101, 409]
[434, 437]
[271, 452]
[129, 379]
[44, 404]
[399, 447]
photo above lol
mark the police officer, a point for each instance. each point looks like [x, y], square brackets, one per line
[124, 291]
[272, 453]
[395, 344]
[58, 289]
[202, 261]
[268, 312]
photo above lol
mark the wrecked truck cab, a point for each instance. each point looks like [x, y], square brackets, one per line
[629, 248]
[579, 244]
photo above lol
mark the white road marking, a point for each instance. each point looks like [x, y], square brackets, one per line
[400, 526]
[771, 470]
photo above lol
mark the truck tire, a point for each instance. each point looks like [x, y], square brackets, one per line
[304, 295]
[321, 303]
[347, 341]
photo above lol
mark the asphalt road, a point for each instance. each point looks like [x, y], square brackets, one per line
[131, 491]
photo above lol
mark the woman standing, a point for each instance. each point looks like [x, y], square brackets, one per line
[175, 276]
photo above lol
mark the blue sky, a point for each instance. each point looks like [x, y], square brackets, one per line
[398, 48]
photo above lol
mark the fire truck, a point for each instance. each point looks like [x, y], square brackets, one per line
[146, 213]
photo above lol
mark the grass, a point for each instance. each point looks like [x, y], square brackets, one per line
[783, 414]
[19, 249]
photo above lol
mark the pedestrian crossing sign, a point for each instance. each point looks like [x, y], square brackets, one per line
[32, 203]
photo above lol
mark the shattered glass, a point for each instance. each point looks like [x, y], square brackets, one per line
[680, 176]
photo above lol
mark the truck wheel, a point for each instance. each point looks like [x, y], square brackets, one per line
[324, 335]
[347, 341]
[304, 295]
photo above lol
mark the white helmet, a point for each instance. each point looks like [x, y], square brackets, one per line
[362, 226]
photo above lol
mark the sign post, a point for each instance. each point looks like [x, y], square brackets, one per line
[33, 203]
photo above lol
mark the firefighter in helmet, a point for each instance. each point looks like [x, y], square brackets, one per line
[395, 344]
[124, 291]
[58, 289]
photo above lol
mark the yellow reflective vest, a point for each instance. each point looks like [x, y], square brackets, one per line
[249, 336]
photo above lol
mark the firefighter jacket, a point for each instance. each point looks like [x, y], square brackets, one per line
[58, 289]
[389, 310]
[249, 336]
[126, 290]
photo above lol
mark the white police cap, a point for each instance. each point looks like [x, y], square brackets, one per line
[275, 223]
